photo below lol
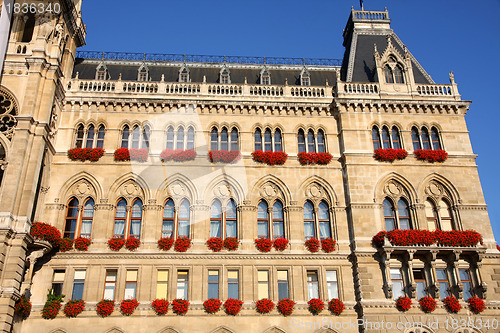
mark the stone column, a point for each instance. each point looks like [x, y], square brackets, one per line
[247, 225]
[151, 222]
[294, 230]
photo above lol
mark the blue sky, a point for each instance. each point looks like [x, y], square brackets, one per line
[444, 36]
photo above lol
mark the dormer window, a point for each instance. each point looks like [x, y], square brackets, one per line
[101, 72]
[265, 77]
[224, 76]
[143, 73]
[398, 75]
[388, 74]
[393, 72]
[305, 77]
[184, 74]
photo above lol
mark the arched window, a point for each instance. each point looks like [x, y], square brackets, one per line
[309, 221]
[277, 140]
[435, 138]
[317, 222]
[71, 219]
[184, 75]
[386, 141]
[180, 138]
[388, 75]
[403, 215]
[87, 218]
[90, 137]
[125, 136]
[278, 221]
[87, 139]
[224, 139]
[301, 141]
[325, 230]
[170, 137]
[120, 219]
[136, 137]
[143, 74]
[145, 137]
[311, 145]
[223, 222]
[29, 27]
[136, 219]
[258, 139]
[321, 141]
[396, 141]
[168, 219]
[224, 76]
[268, 140]
[214, 139]
[445, 216]
[396, 219]
[265, 77]
[231, 219]
[79, 136]
[376, 138]
[305, 78]
[234, 139]
[389, 215]
[100, 137]
[184, 219]
[262, 220]
[101, 73]
[426, 143]
[190, 138]
[415, 137]
[398, 75]
[216, 219]
[431, 216]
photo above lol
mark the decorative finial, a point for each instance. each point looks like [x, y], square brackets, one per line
[120, 77]
[204, 79]
[452, 77]
[286, 81]
[246, 80]
[327, 83]
[361, 4]
[163, 78]
[77, 75]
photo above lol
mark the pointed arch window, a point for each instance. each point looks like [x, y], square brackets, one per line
[231, 219]
[325, 229]
[224, 76]
[321, 142]
[265, 77]
[234, 139]
[316, 142]
[101, 73]
[214, 139]
[140, 137]
[436, 144]
[224, 139]
[180, 138]
[125, 136]
[398, 75]
[445, 216]
[143, 74]
[29, 27]
[100, 137]
[277, 140]
[258, 139]
[311, 144]
[301, 141]
[272, 141]
[431, 215]
[167, 230]
[268, 146]
[216, 219]
[262, 220]
[170, 137]
[136, 219]
[309, 221]
[305, 78]
[388, 74]
[176, 222]
[415, 137]
[136, 137]
[278, 220]
[120, 219]
[190, 138]
[146, 132]
[184, 219]
[79, 222]
[389, 215]
[80, 133]
[403, 215]
[317, 221]
[184, 74]
[128, 223]
[87, 218]
[426, 143]
[71, 219]
[90, 137]
[396, 218]
[386, 141]
[441, 218]
[376, 138]
[396, 141]
[223, 222]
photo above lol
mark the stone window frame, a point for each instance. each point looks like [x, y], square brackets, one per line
[128, 216]
[316, 221]
[143, 139]
[434, 139]
[83, 131]
[378, 137]
[215, 130]
[305, 77]
[270, 218]
[224, 202]
[315, 134]
[79, 217]
[225, 75]
[274, 144]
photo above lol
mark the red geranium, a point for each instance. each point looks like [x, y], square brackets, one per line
[452, 304]
[132, 243]
[323, 158]
[139, 155]
[314, 158]
[76, 154]
[74, 307]
[431, 155]
[232, 306]
[180, 306]
[498, 247]
[215, 244]
[85, 154]
[264, 305]
[165, 243]
[263, 244]
[116, 243]
[403, 303]
[476, 304]
[270, 157]
[65, 244]
[316, 306]
[328, 245]
[128, 306]
[231, 243]
[160, 306]
[224, 156]
[46, 232]
[285, 306]
[82, 243]
[336, 306]
[182, 244]
[23, 307]
[105, 308]
[51, 309]
[280, 244]
[399, 237]
[389, 154]
[122, 154]
[312, 244]
[178, 155]
[212, 305]
[427, 304]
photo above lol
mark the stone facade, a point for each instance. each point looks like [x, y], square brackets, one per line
[60, 100]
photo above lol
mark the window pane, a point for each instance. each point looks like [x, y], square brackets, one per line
[136, 135]
[395, 138]
[388, 75]
[121, 214]
[231, 222]
[267, 140]
[234, 139]
[190, 138]
[79, 137]
[435, 138]
[283, 285]
[213, 284]
[277, 140]
[170, 138]
[214, 137]
[58, 281]
[415, 138]
[145, 137]
[184, 219]
[385, 138]
[258, 139]
[109, 286]
[397, 283]
[398, 75]
[311, 145]
[331, 280]
[130, 290]
[321, 142]
[278, 223]
[71, 219]
[376, 138]
[136, 219]
[180, 138]
[90, 137]
[162, 284]
[263, 284]
[233, 284]
[182, 284]
[390, 221]
[425, 138]
[404, 215]
[224, 139]
[301, 141]
[312, 285]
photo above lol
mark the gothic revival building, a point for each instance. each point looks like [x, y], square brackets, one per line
[241, 149]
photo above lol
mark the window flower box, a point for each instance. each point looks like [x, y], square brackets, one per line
[336, 306]
[263, 244]
[476, 304]
[431, 155]
[182, 244]
[454, 238]
[427, 304]
[215, 244]
[212, 305]
[105, 308]
[403, 303]
[314, 158]
[452, 304]
[231, 243]
[132, 154]
[160, 306]
[223, 156]
[178, 155]
[82, 243]
[23, 307]
[264, 306]
[52, 305]
[328, 245]
[389, 154]
[46, 232]
[85, 154]
[232, 306]
[312, 245]
[285, 306]
[165, 243]
[116, 243]
[316, 306]
[270, 157]
[65, 244]
[180, 306]
[74, 307]
[128, 306]
[132, 243]
[280, 244]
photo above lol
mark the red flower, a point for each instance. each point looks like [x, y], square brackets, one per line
[76, 154]
[328, 245]
[312, 244]
[74, 307]
[82, 243]
[85, 154]
[180, 306]
[270, 157]
[280, 244]
[122, 154]
[263, 244]
[116, 243]
[336, 306]
[139, 155]
[264, 305]
[323, 158]
[105, 308]
[314, 158]
[65, 244]
[223, 156]
[178, 155]
[212, 305]
[46, 232]
[160, 306]
[452, 304]
[498, 247]
[182, 244]
[431, 155]
[399, 237]
[476, 304]
[403, 303]
[23, 307]
[215, 244]
[128, 306]
[389, 154]
[51, 309]
[285, 306]
[316, 306]
[232, 306]
[427, 304]
[165, 243]
[132, 243]
[231, 243]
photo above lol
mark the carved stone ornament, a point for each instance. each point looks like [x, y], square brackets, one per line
[393, 189]
[222, 191]
[435, 190]
[8, 111]
[270, 191]
[314, 191]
